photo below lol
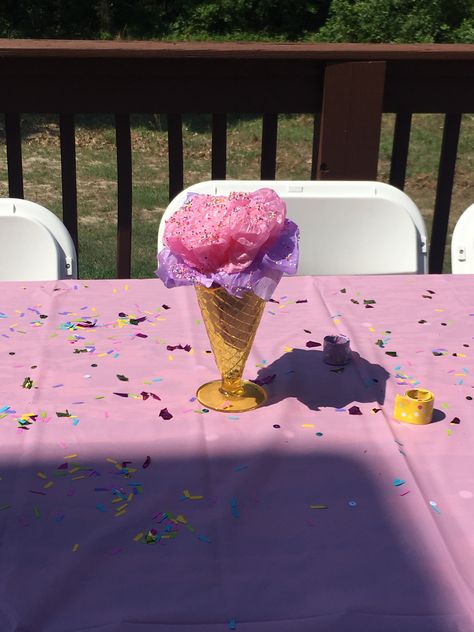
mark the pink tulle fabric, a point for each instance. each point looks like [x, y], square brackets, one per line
[225, 233]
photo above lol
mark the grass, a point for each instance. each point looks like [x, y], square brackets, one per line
[96, 172]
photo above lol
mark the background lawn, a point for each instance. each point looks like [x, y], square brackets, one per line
[96, 172]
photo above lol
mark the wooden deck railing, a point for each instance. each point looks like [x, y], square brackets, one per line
[346, 86]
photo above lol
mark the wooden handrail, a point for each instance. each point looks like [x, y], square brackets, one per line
[236, 50]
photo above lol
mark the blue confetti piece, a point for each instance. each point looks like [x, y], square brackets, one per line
[4, 409]
[157, 379]
[239, 468]
[101, 507]
[398, 481]
[232, 624]
[204, 538]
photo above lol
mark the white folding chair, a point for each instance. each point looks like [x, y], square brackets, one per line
[462, 243]
[35, 244]
[351, 227]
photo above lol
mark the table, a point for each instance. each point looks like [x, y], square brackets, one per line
[125, 506]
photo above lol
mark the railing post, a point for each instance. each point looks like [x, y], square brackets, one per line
[351, 118]
[14, 160]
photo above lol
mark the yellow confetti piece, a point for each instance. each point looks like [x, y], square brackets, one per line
[138, 537]
[449, 432]
[337, 321]
[318, 506]
[307, 425]
[130, 497]
[36, 511]
[445, 405]
[439, 310]
[190, 528]
[371, 329]
[42, 475]
[114, 290]
[48, 485]
[186, 493]
[117, 500]
[288, 349]
[196, 497]
[122, 507]
[111, 460]
[181, 519]
[75, 547]
[70, 456]
[120, 513]
[170, 357]
[76, 478]
[74, 470]
[126, 287]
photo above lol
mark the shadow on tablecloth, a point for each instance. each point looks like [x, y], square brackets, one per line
[302, 374]
[297, 542]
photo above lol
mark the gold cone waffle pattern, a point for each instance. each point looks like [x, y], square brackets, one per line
[231, 325]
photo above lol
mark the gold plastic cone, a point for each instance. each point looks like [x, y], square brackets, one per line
[231, 325]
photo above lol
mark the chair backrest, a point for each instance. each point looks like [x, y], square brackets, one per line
[462, 244]
[35, 244]
[346, 227]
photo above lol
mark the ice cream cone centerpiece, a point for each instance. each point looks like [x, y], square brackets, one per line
[234, 249]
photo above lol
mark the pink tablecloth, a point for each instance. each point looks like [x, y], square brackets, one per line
[125, 506]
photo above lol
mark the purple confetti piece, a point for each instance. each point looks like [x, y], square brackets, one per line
[355, 410]
[264, 380]
[146, 462]
[165, 414]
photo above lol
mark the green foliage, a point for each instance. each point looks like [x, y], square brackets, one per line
[274, 20]
[396, 20]
[277, 19]
[177, 19]
[465, 32]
